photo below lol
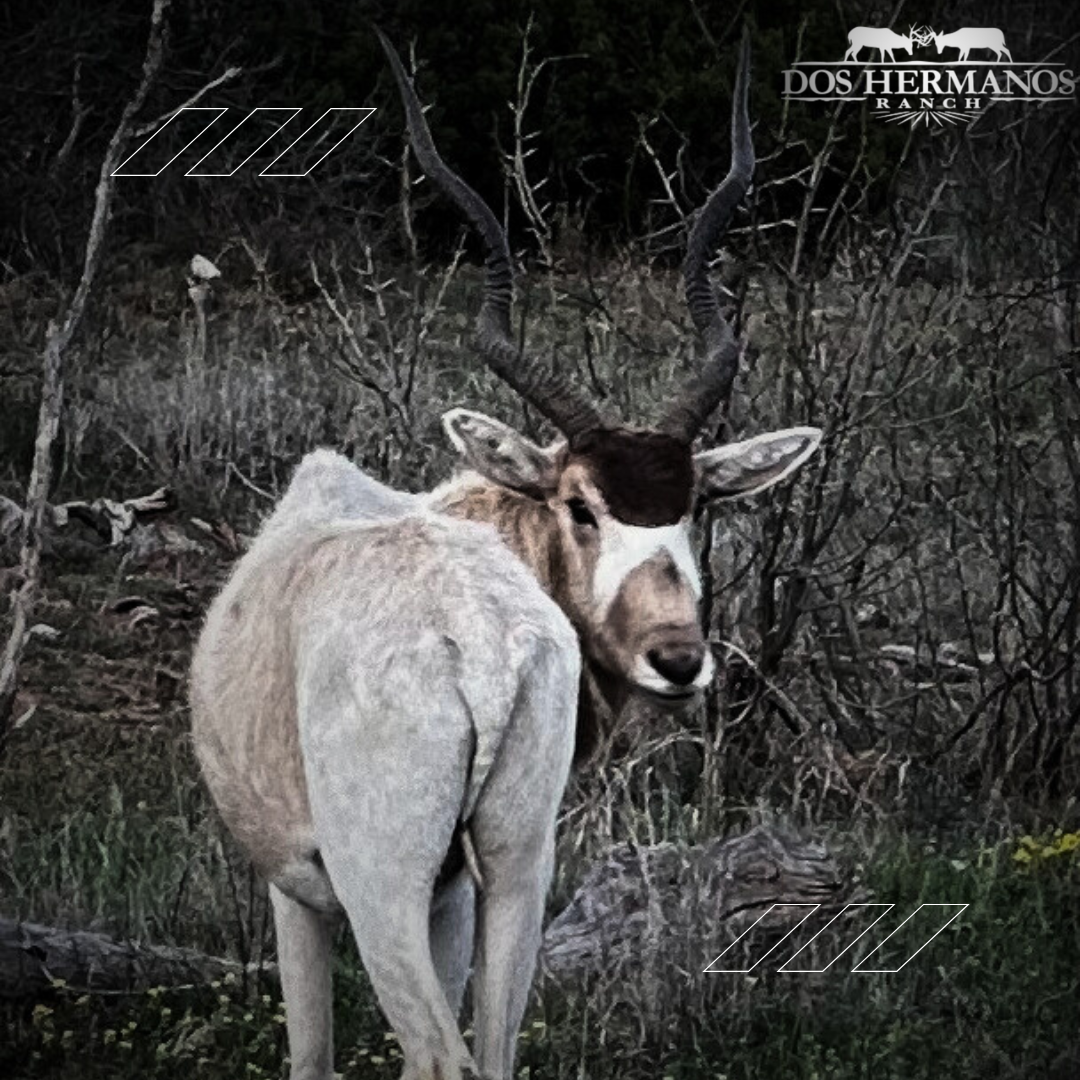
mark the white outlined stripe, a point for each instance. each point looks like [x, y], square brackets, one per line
[888, 971]
[366, 111]
[292, 110]
[363, 113]
[859, 967]
[179, 112]
[710, 970]
[804, 971]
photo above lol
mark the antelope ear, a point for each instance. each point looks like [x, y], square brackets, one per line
[498, 452]
[745, 468]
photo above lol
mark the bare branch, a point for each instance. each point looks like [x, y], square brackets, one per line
[58, 340]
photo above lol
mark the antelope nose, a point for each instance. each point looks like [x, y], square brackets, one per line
[679, 664]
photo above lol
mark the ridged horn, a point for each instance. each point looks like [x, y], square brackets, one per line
[711, 385]
[549, 392]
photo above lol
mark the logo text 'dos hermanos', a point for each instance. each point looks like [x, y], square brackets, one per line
[944, 85]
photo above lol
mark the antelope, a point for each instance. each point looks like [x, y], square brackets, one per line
[972, 37]
[882, 39]
[391, 690]
[373, 679]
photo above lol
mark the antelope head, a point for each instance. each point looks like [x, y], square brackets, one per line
[614, 503]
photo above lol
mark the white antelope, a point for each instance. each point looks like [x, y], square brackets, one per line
[388, 693]
[372, 678]
[973, 37]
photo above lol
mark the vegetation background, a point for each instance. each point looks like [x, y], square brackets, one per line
[899, 627]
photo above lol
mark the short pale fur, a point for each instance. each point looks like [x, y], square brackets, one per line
[372, 676]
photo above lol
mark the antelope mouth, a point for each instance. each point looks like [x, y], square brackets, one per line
[674, 695]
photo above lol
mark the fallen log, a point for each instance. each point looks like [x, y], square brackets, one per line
[34, 957]
[679, 901]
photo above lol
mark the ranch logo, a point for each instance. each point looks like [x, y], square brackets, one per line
[951, 88]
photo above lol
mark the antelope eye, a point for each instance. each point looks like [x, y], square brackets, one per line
[581, 514]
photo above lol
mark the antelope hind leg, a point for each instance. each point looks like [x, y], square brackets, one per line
[510, 916]
[453, 916]
[385, 789]
[384, 883]
[514, 831]
[304, 941]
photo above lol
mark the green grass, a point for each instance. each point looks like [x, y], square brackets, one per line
[994, 996]
[105, 825]
[129, 844]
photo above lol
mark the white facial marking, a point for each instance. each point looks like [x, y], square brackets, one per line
[623, 547]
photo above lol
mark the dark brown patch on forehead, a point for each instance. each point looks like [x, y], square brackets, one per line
[646, 477]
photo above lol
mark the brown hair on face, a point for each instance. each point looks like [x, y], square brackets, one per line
[646, 477]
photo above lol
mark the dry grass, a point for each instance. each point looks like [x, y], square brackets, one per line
[926, 682]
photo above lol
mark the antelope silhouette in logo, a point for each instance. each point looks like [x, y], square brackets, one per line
[389, 692]
[972, 37]
[882, 39]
